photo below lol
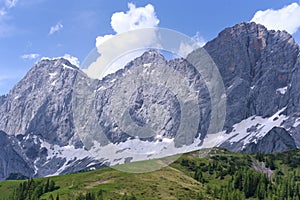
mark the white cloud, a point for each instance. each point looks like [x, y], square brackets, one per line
[5, 27]
[199, 39]
[101, 39]
[134, 18]
[131, 44]
[7, 4]
[56, 28]
[186, 48]
[30, 56]
[73, 60]
[286, 18]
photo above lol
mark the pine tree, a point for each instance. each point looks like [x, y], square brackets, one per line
[46, 187]
[100, 195]
[80, 197]
[38, 191]
[51, 197]
[200, 196]
[51, 186]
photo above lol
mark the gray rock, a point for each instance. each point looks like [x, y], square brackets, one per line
[260, 70]
[40, 103]
[276, 140]
[254, 64]
[2, 99]
[151, 97]
[10, 160]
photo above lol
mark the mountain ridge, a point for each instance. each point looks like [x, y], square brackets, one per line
[260, 71]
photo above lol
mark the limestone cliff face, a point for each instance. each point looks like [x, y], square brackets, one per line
[257, 67]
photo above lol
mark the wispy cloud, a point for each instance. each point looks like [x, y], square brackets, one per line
[2, 12]
[5, 26]
[30, 56]
[286, 18]
[56, 28]
[5, 5]
[10, 3]
[73, 60]
[4, 77]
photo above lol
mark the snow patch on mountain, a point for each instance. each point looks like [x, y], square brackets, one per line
[52, 75]
[69, 153]
[282, 90]
[255, 127]
[67, 67]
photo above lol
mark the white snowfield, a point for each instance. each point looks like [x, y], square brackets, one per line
[138, 150]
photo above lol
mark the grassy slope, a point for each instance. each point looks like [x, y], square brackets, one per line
[167, 183]
[172, 182]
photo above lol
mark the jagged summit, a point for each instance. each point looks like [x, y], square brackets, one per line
[148, 57]
[256, 63]
[250, 28]
[55, 62]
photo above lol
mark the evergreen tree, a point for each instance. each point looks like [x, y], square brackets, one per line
[51, 186]
[80, 197]
[51, 197]
[100, 195]
[46, 186]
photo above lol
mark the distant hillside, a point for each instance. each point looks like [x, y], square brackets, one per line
[206, 174]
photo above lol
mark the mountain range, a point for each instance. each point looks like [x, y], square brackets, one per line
[46, 131]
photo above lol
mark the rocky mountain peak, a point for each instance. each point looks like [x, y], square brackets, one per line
[251, 41]
[49, 107]
[55, 63]
[150, 56]
[44, 93]
[256, 66]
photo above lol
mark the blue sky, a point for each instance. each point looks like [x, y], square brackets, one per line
[32, 29]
